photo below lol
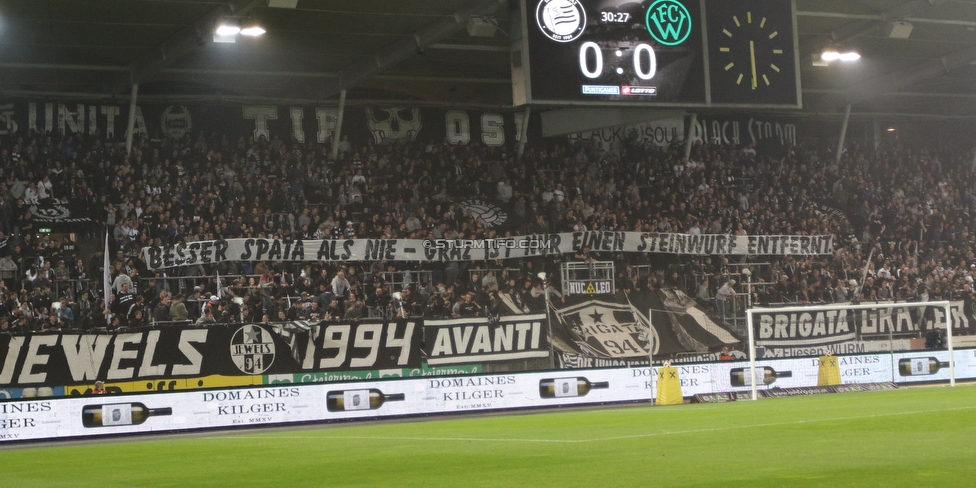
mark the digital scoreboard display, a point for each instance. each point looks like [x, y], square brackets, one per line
[659, 52]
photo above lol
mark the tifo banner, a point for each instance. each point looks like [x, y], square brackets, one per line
[65, 359]
[728, 130]
[458, 341]
[824, 327]
[217, 251]
[603, 330]
[380, 125]
[359, 345]
[599, 333]
[739, 130]
[658, 133]
[180, 352]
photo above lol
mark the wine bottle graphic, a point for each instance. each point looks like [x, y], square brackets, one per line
[371, 399]
[920, 366]
[740, 376]
[568, 387]
[119, 414]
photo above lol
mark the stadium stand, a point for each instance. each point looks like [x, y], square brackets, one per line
[899, 216]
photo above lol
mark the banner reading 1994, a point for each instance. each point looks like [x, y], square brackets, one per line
[447, 250]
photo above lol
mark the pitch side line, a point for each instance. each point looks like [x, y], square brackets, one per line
[612, 438]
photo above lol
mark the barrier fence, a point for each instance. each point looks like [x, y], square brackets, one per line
[279, 401]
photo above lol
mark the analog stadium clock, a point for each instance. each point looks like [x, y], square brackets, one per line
[751, 52]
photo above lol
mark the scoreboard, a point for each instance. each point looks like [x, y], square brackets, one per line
[694, 53]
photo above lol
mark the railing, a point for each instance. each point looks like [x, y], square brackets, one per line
[398, 280]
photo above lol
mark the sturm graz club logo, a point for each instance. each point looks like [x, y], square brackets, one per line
[176, 121]
[490, 214]
[252, 349]
[561, 20]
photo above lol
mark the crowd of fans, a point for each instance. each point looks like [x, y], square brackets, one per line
[899, 215]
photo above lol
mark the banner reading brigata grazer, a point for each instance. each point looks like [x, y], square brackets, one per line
[211, 252]
[824, 327]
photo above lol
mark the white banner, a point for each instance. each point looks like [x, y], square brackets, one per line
[97, 415]
[446, 250]
[818, 328]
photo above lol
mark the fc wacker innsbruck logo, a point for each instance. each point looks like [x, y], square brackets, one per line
[253, 350]
[561, 20]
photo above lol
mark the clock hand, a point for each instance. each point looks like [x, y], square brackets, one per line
[752, 58]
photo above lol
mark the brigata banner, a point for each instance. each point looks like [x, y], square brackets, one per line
[447, 250]
[456, 341]
[825, 327]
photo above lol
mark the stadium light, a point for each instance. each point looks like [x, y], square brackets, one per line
[226, 32]
[832, 55]
[253, 31]
[227, 29]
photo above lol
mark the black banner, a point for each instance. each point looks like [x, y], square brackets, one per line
[824, 327]
[380, 125]
[627, 329]
[458, 341]
[172, 352]
[239, 350]
[767, 133]
[352, 346]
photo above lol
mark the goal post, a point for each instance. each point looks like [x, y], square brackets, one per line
[944, 305]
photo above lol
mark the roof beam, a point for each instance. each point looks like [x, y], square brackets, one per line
[866, 25]
[394, 54]
[883, 18]
[182, 43]
[908, 77]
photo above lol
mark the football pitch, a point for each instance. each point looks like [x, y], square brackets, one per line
[909, 437]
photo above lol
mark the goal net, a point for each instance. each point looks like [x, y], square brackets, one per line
[853, 344]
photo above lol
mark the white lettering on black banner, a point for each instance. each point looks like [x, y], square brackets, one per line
[211, 252]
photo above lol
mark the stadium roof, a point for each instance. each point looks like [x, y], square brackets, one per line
[420, 52]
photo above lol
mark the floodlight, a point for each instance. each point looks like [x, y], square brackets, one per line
[226, 29]
[253, 31]
[832, 55]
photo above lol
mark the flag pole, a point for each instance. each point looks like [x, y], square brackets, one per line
[220, 292]
[106, 277]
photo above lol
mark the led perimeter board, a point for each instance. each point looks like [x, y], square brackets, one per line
[694, 53]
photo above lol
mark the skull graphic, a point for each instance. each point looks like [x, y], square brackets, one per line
[393, 124]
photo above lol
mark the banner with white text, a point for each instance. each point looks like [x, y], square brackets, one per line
[423, 250]
[817, 328]
[477, 339]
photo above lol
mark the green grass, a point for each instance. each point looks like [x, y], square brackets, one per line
[916, 437]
